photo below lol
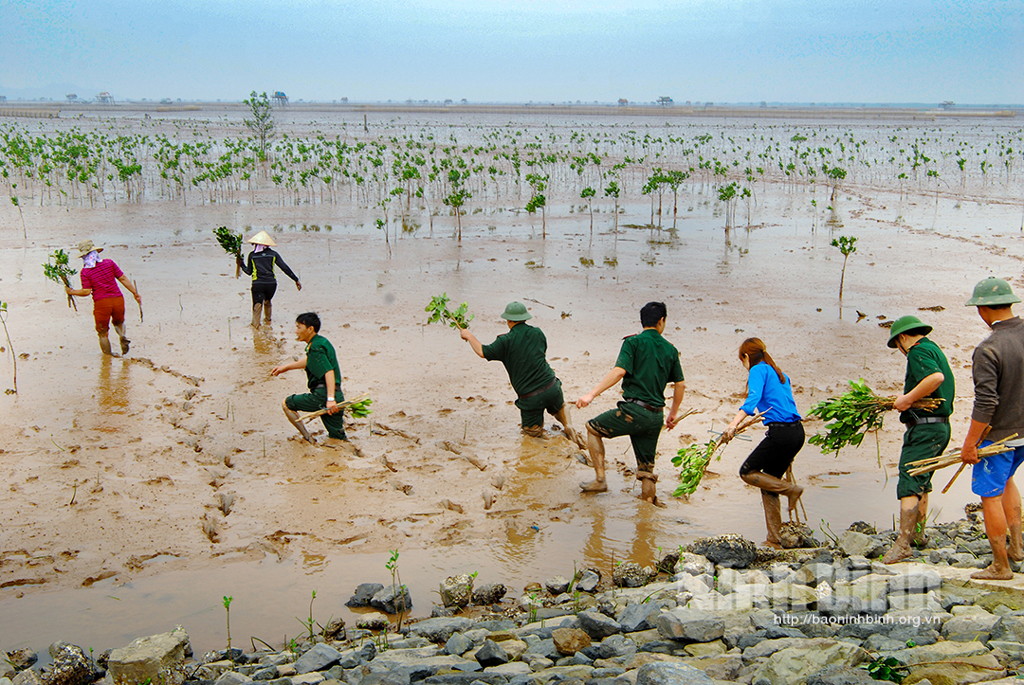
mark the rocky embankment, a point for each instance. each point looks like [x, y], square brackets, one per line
[722, 610]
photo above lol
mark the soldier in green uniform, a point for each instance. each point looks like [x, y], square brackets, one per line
[523, 352]
[645, 365]
[323, 378]
[928, 376]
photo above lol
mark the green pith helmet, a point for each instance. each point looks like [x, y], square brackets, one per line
[516, 311]
[992, 292]
[906, 324]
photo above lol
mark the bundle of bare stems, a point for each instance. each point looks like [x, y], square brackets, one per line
[953, 457]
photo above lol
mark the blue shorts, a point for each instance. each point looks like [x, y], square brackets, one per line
[991, 474]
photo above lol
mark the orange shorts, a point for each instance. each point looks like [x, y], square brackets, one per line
[107, 310]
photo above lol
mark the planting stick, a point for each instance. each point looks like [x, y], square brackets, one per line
[141, 317]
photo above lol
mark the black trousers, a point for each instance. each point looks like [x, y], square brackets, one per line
[776, 452]
[263, 292]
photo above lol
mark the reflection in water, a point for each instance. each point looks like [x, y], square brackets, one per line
[112, 387]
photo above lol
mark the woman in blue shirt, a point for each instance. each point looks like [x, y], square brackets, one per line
[769, 390]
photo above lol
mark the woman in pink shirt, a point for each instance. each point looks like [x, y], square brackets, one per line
[99, 279]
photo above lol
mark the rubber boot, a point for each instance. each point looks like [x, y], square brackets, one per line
[125, 342]
[772, 519]
[648, 488]
[105, 346]
[257, 311]
[534, 431]
[266, 312]
[778, 486]
[900, 549]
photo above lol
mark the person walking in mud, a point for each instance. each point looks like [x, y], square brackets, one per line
[927, 435]
[523, 352]
[998, 413]
[260, 265]
[769, 391]
[323, 379]
[99, 279]
[645, 365]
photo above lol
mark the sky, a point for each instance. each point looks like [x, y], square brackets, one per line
[721, 51]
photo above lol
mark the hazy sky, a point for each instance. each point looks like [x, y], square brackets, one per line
[968, 51]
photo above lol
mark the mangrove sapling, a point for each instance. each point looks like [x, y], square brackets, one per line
[262, 122]
[359, 408]
[588, 195]
[693, 461]
[438, 310]
[847, 245]
[612, 191]
[10, 346]
[397, 589]
[227, 613]
[57, 269]
[232, 244]
[309, 623]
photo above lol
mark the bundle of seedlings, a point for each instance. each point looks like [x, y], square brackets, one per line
[438, 310]
[693, 461]
[232, 244]
[953, 457]
[853, 414]
[58, 270]
[358, 408]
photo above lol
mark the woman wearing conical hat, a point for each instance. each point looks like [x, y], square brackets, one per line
[260, 265]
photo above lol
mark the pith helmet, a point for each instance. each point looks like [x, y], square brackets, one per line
[516, 311]
[992, 292]
[86, 246]
[906, 324]
[262, 238]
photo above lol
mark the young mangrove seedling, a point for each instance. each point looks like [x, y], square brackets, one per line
[58, 270]
[227, 612]
[847, 245]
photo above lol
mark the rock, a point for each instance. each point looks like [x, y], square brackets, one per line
[667, 564]
[1009, 629]
[21, 659]
[27, 677]
[795, 664]
[940, 651]
[969, 623]
[70, 666]
[971, 669]
[841, 675]
[235, 678]
[568, 641]
[312, 678]
[6, 670]
[690, 625]
[791, 596]
[319, 658]
[665, 673]
[854, 543]
[795, 535]
[438, 630]
[915, 582]
[703, 649]
[638, 617]
[557, 585]
[730, 550]
[391, 602]
[457, 591]
[589, 580]
[363, 594]
[335, 630]
[597, 625]
[616, 646]
[631, 574]
[491, 654]
[491, 593]
[458, 644]
[373, 620]
[159, 658]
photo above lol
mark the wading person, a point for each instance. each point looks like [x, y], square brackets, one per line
[323, 378]
[928, 376]
[770, 391]
[522, 351]
[645, 365]
[260, 265]
[99, 279]
[998, 369]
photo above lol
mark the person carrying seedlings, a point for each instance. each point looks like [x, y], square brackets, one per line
[260, 265]
[522, 351]
[998, 369]
[99, 279]
[769, 391]
[323, 378]
[645, 365]
[927, 435]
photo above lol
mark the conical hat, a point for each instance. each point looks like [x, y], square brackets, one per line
[262, 238]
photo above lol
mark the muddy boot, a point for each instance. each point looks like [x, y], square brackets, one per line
[648, 489]
[772, 519]
[900, 549]
[596, 447]
[792, 491]
[534, 431]
[293, 418]
[125, 342]
[105, 346]
[266, 312]
[257, 311]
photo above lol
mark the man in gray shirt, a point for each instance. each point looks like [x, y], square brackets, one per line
[998, 368]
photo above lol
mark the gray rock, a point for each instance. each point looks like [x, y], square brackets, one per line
[27, 677]
[632, 574]
[373, 620]
[363, 594]
[841, 675]
[667, 673]
[354, 658]
[491, 654]
[730, 551]
[457, 591]
[233, 678]
[854, 543]
[6, 670]
[70, 666]
[589, 580]
[556, 585]
[1009, 629]
[458, 644]
[491, 593]
[795, 664]
[159, 658]
[638, 617]
[267, 673]
[438, 630]
[616, 646]
[391, 602]
[21, 659]
[915, 583]
[545, 648]
[975, 624]
[319, 658]
[597, 625]
[690, 625]
[1013, 649]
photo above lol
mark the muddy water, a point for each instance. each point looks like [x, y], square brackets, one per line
[117, 468]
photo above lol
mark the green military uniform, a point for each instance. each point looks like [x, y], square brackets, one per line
[523, 351]
[924, 440]
[320, 358]
[650, 363]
